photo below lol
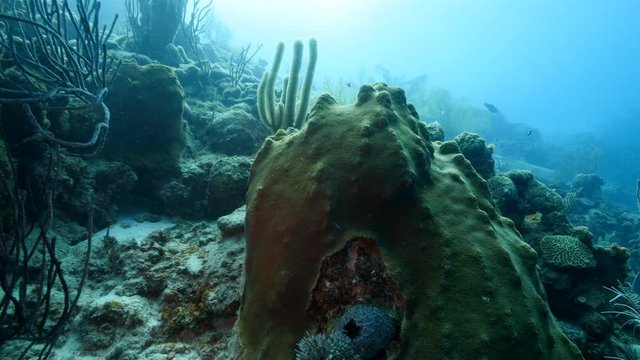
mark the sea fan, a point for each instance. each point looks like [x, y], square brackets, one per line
[627, 301]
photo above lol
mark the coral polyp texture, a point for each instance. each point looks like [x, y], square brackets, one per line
[466, 283]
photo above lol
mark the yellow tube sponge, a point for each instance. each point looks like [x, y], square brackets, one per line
[288, 110]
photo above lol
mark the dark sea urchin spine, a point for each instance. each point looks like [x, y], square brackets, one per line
[360, 333]
[322, 347]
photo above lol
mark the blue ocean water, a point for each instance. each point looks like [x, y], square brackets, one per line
[568, 69]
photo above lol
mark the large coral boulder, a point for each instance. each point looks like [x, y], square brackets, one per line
[147, 130]
[365, 179]
[235, 132]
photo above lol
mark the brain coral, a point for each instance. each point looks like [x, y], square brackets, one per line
[368, 170]
[566, 251]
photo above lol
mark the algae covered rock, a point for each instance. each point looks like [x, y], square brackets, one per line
[504, 193]
[477, 152]
[227, 184]
[232, 224]
[364, 178]
[235, 132]
[106, 320]
[147, 131]
[209, 186]
[96, 184]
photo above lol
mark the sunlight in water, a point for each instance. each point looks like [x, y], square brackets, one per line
[290, 19]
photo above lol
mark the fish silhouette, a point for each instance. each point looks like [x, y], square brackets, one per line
[491, 108]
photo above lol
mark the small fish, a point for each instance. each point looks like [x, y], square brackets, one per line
[348, 84]
[530, 132]
[491, 108]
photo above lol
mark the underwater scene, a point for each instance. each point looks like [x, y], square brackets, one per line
[308, 179]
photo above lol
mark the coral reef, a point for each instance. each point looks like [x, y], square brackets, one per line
[370, 236]
[467, 282]
[532, 206]
[574, 270]
[577, 294]
[610, 224]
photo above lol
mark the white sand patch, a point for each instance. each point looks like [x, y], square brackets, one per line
[130, 227]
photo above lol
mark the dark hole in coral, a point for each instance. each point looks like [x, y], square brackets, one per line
[354, 274]
[351, 329]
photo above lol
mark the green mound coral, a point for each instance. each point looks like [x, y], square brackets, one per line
[566, 251]
[467, 284]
